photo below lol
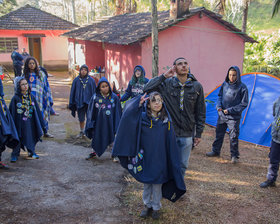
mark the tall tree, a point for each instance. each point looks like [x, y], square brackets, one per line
[73, 12]
[7, 6]
[154, 38]
[276, 7]
[245, 16]
[221, 7]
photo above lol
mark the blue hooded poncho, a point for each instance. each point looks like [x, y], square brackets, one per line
[81, 91]
[232, 97]
[27, 117]
[147, 148]
[8, 132]
[135, 85]
[103, 117]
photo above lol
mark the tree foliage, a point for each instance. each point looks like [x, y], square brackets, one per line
[263, 56]
[7, 6]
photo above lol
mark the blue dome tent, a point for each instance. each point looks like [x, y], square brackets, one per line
[255, 124]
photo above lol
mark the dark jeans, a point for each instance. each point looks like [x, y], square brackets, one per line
[233, 126]
[274, 160]
[17, 70]
[16, 151]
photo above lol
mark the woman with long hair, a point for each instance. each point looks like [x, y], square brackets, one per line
[40, 89]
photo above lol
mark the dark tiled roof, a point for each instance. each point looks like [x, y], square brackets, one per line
[130, 28]
[30, 18]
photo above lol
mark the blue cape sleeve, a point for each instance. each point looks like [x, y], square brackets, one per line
[72, 104]
[90, 123]
[128, 134]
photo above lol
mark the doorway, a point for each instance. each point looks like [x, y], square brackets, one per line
[35, 48]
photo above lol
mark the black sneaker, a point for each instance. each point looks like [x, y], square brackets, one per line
[268, 183]
[91, 155]
[146, 212]
[155, 214]
[212, 154]
[3, 166]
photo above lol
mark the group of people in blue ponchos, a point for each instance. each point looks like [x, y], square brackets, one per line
[146, 141]
[26, 120]
[152, 136]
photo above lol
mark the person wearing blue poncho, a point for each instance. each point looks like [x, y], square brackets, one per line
[103, 117]
[8, 132]
[146, 146]
[27, 118]
[136, 84]
[40, 89]
[17, 62]
[83, 88]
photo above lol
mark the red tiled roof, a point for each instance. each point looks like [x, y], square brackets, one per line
[31, 18]
[130, 28]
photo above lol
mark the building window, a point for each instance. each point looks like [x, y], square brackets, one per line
[8, 44]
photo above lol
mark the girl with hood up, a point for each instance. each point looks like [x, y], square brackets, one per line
[83, 88]
[103, 117]
[8, 132]
[136, 84]
[146, 146]
[40, 89]
[28, 119]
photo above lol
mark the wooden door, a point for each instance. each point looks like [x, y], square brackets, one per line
[35, 49]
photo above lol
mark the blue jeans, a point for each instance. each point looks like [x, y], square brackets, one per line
[152, 195]
[16, 151]
[185, 146]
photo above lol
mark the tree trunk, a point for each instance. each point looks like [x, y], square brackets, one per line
[73, 12]
[245, 16]
[154, 38]
[119, 7]
[221, 7]
[93, 10]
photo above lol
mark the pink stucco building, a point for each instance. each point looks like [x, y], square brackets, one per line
[39, 33]
[209, 43]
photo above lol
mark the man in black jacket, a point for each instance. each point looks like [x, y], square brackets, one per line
[184, 98]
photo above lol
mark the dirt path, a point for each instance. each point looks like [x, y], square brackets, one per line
[60, 187]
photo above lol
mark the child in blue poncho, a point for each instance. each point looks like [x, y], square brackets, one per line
[103, 117]
[40, 89]
[83, 88]
[136, 84]
[146, 146]
[8, 132]
[28, 119]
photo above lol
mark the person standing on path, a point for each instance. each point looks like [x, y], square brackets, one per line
[40, 89]
[274, 154]
[27, 118]
[232, 100]
[17, 62]
[136, 84]
[82, 89]
[8, 131]
[184, 99]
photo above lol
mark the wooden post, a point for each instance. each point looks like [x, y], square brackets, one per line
[154, 38]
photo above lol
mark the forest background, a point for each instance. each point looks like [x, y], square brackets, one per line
[263, 56]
